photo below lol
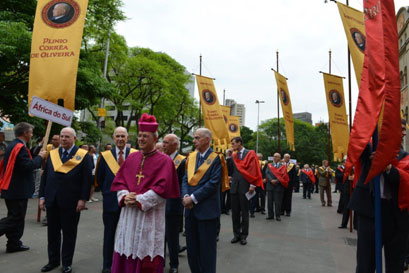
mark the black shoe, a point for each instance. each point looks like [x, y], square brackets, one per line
[258, 210]
[342, 226]
[288, 214]
[252, 215]
[263, 212]
[235, 240]
[217, 238]
[173, 270]
[66, 269]
[17, 249]
[49, 267]
[304, 197]
[106, 270]
[270, 218]
[181, 249]
[243, 242]
[278, 218]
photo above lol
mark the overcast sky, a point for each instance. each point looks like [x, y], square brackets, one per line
[238, 41]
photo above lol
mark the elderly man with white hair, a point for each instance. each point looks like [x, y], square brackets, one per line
[64, 189]
[201, 199]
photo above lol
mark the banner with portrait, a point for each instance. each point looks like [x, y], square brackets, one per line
[233, 126]
[353, 21]
[287, 109]
[212, 112]
[338, 119]
[55, 50]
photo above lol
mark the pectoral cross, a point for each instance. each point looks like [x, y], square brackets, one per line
[140, 176]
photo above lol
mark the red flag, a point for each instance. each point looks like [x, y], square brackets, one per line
[380, 84]
[281, 174]
[249, 168]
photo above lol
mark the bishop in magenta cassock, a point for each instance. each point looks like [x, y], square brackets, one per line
[143, 183]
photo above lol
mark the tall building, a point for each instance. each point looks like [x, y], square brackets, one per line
[304, 116]
[402, 20]
[237, 109]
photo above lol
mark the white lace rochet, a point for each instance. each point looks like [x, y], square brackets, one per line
[141, 233]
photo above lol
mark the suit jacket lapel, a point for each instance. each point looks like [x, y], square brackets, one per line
[113, 151]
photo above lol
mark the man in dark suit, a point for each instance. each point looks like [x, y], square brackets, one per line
[17, 185]
[239, 187]
[107, 166]
[395, 222]
[174, 207]
[200, 191]
[275, 190]
[65, 187]
[288, 192]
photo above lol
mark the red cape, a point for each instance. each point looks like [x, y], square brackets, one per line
[159, 175]
[310, 175]
[403, 168]
[5, 176]
[281, 174]
[249, 168]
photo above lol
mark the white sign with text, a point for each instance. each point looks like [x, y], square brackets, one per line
[50, 111]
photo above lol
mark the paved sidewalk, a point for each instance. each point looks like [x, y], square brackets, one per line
[308, 241]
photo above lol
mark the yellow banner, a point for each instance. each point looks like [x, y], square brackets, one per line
[287, 109]
[102, 112]
[55, 49]
[353, 21]
[234, 126]
[338, 120]
[212, 112]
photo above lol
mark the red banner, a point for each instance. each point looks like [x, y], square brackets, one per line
[380, 85]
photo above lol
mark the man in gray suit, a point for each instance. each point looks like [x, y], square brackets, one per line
[275, 190]
[238, 189]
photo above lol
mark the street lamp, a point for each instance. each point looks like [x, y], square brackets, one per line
[258, 118]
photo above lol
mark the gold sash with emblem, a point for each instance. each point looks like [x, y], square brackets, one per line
[290, 167]
[70, 164]
[225, 174]
[192, 177]
[111, 161]
[177, 160]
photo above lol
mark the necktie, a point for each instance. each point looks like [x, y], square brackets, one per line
[64, 157]
[121, 158]
[201, 160]
[239, 154]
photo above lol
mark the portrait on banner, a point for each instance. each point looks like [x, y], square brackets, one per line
[335, 98]
[359, 39]
[60, 13]
[284, 97]
[208, 97]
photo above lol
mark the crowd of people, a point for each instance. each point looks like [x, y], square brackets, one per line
[153, 194]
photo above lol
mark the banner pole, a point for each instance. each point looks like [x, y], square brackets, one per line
[44, 148]
[378, 214]
[200, 100]
[278, 112]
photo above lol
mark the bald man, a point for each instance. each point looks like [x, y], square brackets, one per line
[107, 167]
[64, 189]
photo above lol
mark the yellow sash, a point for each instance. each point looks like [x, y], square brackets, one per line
[177, 160]
[194, 178]
[70, 164]
[262, 164]
[225, 174]
[289, 167]
[111, 162]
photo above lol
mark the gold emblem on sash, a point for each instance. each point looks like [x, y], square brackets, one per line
[177, 160]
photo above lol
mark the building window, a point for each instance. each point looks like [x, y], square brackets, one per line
[401, 79]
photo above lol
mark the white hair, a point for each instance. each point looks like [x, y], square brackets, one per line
[175, 137]
[69, 129]
[205, 132]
